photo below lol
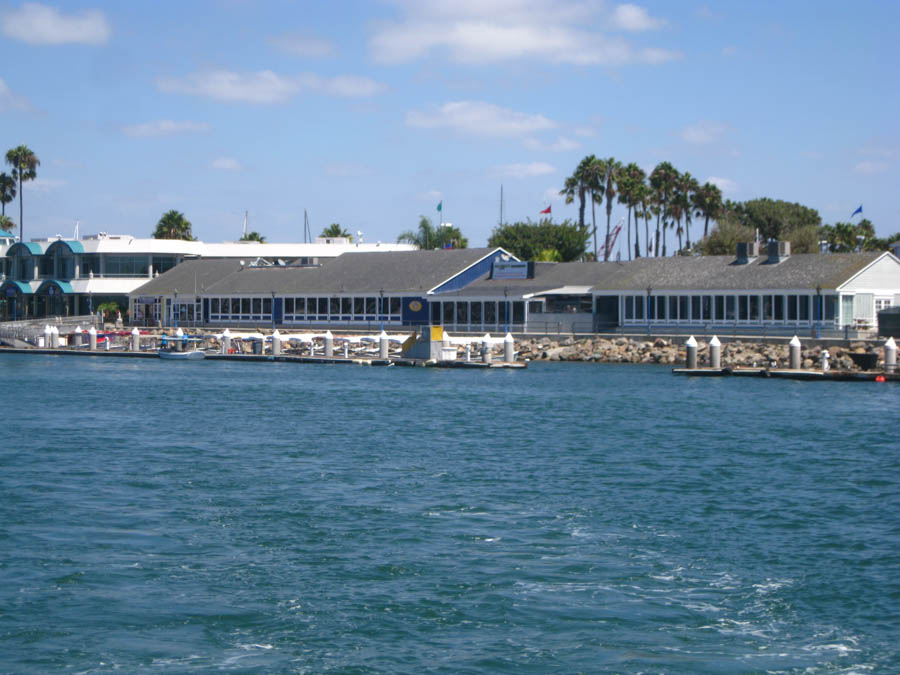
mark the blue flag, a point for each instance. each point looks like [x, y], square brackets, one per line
[859, 210]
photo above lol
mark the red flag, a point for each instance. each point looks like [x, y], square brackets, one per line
[547, 210]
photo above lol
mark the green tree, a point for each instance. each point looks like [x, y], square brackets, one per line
[7, 191]
[254, 236]
[6, 223]
[631, 189]
[430, 237]
[530, 240]
[24, 165]
[335, 231]
[707, 203]
[579, 184]
[774, 218]
[612, 171]
[173, 225]
[662, 181]
[725, 236]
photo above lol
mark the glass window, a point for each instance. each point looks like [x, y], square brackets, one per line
[359, 305]
[462, 312]
[267, 306]
[754, 308]
[779, 308]
[448, 313]
[638, 307]
[535, 307]
[475, 308]
[436, 313]
[695, 308]
[257, 305]
[90, 263]
[346, 305]
[518, 310]
[45, 266]
[299, 305]
[768, 308]
[370, 305]
[803, 307]
[334, 306]
[706, 308]
[830, 307]
[683, 308]
[127, 266]
[792, 307]
[673, 308]
[245, 305]
[163, 263]
[395, 305]
[743, 308]
[322, 306]
[214, 306]
[629, 307]
[730, 307]
[490, 312]
[288, 305]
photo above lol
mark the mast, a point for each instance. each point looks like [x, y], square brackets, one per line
[501, 204]
[244, 231]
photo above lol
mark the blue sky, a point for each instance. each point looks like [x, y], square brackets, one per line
[370, 113]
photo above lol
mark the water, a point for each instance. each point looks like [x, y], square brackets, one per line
[278, 517]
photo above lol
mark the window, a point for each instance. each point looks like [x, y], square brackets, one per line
[673, 308]
[695, 308]
[518, 311]
[462, 312]
[245, 305]
[214, 306]
[830, 307]
[683, 307]
[754, 308]
[638, 307]
[707, 308]
[792, 307]
[334, 306]
[126, 266]
[163, 263]
[257, 306]
[779, 308]
[267, 306]
[882, 303]
[768, 308]
[629, 307]
[45, 266]
[288, 305]
[475, 311]
[730, 308]
[490, 313]
[448, 313]
[90, 264]
[359, 306]
[535, 307]
[394, 305]
[720, 307]
[370, 305]
[436, 313]
[743, 308]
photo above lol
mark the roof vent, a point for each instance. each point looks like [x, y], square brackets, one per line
[747, 251]
[778, 251]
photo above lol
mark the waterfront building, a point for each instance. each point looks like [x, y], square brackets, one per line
[478, 290]
[69, 277]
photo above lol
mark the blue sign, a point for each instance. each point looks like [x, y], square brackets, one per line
[414, 311]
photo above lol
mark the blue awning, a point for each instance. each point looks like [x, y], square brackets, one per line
[72, 245]
[12, 288]
[32, 247]
[64, 287]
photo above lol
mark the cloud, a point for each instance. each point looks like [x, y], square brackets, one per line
[265, 87]
[634, 18]
[45, 184]
[10, 102]
[302, 45]
[551, 194]
[37, 24]
[473, 32]
[523, 170]
[561, 144]
[477, 118]
[164, 128]
[225, 164]
[585, 132]
[726, 185]
[870, 167]
[704, 133]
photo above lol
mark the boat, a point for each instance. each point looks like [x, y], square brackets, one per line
[189, 355]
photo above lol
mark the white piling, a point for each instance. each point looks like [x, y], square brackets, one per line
[509, 348]
[890, 355]
[329, 344]
[276, 343]
[107, 341]
[47, 333]
[179, 340]
[92, 338]
[135, 339]
[346, 349]
[383, 345]
[715, 352]
[226, 341]
[468, 353]
[486, 348]
[825, 357]
[54, 337]
[796, 358]
[691, 347]
[78, 337]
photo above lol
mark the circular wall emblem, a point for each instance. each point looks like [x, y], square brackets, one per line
[415, 306]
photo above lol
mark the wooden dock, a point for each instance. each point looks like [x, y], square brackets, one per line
[789, 374]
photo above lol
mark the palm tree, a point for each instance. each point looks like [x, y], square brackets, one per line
[7, 191]
[254, 236]
[689, 187]
[613, 169]
[708, 203]
[335, 231]
[593, 174]
[631, 185]
[429, 237]
[24, 165]
[6, 223]
[173, 225]
[662, 180]
[577, 184]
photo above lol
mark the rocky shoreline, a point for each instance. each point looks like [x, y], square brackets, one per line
[669, 352]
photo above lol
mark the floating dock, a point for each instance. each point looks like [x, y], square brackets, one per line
[789, 374]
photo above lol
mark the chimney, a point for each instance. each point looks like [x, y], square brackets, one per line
[778, 251]
[747, 251]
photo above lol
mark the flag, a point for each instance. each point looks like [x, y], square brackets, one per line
[440, 204]
[547, 210]
[448, 245]
[859, 210]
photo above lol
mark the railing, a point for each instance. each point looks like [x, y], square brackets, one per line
[29, 330]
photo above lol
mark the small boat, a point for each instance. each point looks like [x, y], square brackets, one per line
[189, 355]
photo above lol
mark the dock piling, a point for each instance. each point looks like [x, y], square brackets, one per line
[329, 345]
[383, 345]
[691, 347]
[795, 353]
[92, 339]
[509, 348]
[890, 355]
[486, 348]
[276, 343]
[135, 339]
[179, 340]
[715, 352]
[226, 341]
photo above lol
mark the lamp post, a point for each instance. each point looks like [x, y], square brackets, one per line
[381, 308]
[506, 309]
[175, 309]
[272, 309]
[818, 311]
[649, 290]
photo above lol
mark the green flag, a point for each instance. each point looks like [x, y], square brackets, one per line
[440, 204]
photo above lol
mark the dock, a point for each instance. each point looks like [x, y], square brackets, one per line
[792, 374]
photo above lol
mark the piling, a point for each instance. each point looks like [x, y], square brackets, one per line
[468, 353]
[346, 349]
[92, 339]
[179, 340]
[383, 345]
[486, 348]
[276, 343]
[226, 342]
[890, 355]
[329, 345]
[795, 353]
[47, 333]
[691, 347]
[54, 337]
[509, 348]
[715, 352]
[77, 337]
[135, 339]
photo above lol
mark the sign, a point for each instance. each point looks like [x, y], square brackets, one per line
[10, 291]
[510, 269]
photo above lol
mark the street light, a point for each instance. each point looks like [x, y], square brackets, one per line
[818, 311]
[381, 308]
[649, 290]
[506, 309]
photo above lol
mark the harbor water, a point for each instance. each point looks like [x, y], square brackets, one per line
[178, 517]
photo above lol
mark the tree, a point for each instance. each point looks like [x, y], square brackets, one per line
[24, 165]
[707, 202]
[631, 189]
[662, 181]
[6, 223]
[579, 183]
[173, 225]
[774, 218]
[688, 188]
[335, 231]
[725, 237]
[610, 180]
[254, 236]
[531, 241]
[430, 237]
[7, 191]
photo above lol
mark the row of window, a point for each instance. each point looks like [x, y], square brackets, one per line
[462, 313]
[725, 308]
[63, 266]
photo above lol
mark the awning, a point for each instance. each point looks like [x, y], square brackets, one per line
[50, 287]
[11, 288]
[562, 290]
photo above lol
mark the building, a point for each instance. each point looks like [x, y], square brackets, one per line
[69, 277]
[477, 290]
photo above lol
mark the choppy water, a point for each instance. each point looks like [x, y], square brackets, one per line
[198, 516]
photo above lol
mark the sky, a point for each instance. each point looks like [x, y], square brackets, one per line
[369, 114]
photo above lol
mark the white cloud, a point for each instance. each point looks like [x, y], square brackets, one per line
[473, 32]
[561, 144]
[704, 132]
[432, 195]
[10, 102]
[479, 119]
[38, 24]
[634, 18]
[551, 194]
[164, 128]
[226, 164]
[266, 87]
[45, 184]
[870, 167]
[529, 170]
[726, 185]
[302, 45]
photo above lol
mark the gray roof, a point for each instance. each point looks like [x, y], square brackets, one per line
[800, 271]
[547, 276]
[190, 274]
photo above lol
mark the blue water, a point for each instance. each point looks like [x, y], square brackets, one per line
[572, 517]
